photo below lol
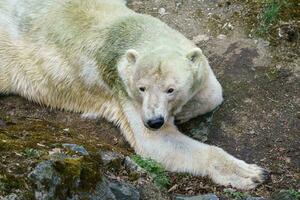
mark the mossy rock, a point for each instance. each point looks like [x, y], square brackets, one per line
[65, 176]
[10, 182]
[79, 174]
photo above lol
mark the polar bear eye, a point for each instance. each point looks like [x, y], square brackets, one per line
[142, 89]
[170, 90]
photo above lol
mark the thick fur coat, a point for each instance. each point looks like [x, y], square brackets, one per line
[101, 59]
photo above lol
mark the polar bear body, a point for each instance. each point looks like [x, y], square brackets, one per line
[99, 58]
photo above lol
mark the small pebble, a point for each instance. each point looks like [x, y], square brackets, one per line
[76, 148]
[162, 11]
[199, 38]
[109, 157]
[2, 123]
[221, 37]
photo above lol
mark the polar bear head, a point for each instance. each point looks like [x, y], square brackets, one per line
[162, 81]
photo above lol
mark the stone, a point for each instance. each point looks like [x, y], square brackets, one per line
[46, 180]
[2, 123]
[109, 157]
[132, 166]
[199, 38]
[221, 37]
[101, 192]
[76, 148]
[200, 133]
[124, 191]
[52, 182]
[162, 11]
[288, 32]
[149, 191]
[12, 196]
[255, 198]
[199, 197]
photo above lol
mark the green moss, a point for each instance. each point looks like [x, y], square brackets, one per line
[26, 141]
[236, 194]
[9, 182]
[8, 144]
[32, 153]
[272, 74]
[133, 176]
[289, 194]
[199, 13]
[4, 146]
[29, 195]
[69, 168]
[214, 25]
[78, 174]
[156, 170]
[91, 172]
[294, 193]
[24, 137]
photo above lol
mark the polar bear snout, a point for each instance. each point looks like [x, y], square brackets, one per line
[154, 109]
[155, 123]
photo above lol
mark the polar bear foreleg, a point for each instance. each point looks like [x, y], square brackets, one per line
[180, 153]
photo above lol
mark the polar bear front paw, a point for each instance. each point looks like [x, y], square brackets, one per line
[242, 176]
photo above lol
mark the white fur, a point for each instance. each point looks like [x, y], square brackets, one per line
[90, 73]
[180, 153]
[70, 77]
[10, 26]
[209, 97]
[91, 116]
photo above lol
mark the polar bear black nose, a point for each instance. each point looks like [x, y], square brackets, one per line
[156, 123]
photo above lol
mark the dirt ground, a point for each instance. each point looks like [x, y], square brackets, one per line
[258, 122]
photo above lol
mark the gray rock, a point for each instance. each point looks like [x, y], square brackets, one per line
[46, 180]
[106, 190]
[76, 148]
[11, 197]
[162, 11]
[50, 184]
[221, 37]
[200, 133]
[2, 123]
[101, 192]
[124, 191]
[199, 38]
[149, 191]
[199, 197]
[255, 198]
[58, 156]
[109, 157]
[131, 165]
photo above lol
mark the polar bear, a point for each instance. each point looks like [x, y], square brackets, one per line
[101, 59]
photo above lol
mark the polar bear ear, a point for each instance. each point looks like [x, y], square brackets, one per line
[195, 55]
[132, 56]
